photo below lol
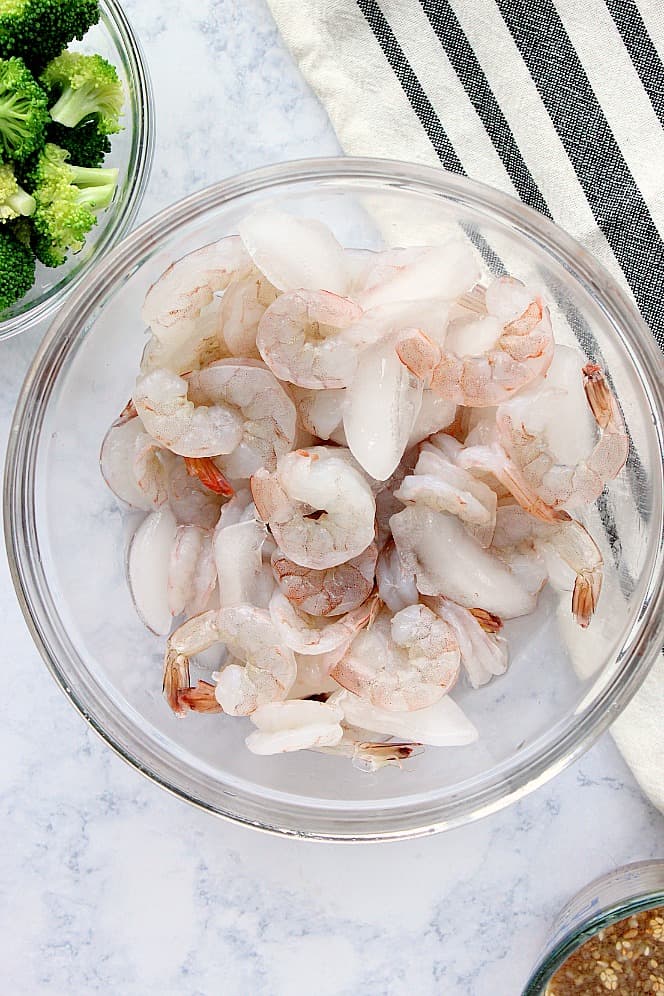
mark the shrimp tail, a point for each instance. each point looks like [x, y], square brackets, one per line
[598, 394]
[585, 596]
[200, 698]
[176, 680]
[127, 414]
[206, 470]
[489, 622]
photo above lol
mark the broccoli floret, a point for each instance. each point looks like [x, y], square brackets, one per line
[38, 30]
[84, 144]
[68, 198]
[17, 268]
[23, 111]
[13, 199]
[88, 86]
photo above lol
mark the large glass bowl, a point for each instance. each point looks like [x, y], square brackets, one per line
[131, 151]
[67, 536]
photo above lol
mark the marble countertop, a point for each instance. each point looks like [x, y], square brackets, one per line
[108, 884]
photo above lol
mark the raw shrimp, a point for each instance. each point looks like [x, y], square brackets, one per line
[483, 654]
[189, 284]
[319, 412]
[135, 467]
[191, 502]
[244, 576]
[191, 345]
[479, 370]
[401, 662]
[442, 724]
[565, 540]
[200, 698]
[396, 585]
[299, 338]
[242, 307]
[447, 560]
[269, 669]
[320, 479]
[240, 508]
[440, 484]
[543, 435]
[331, 592]
[294, 725]
[162, 401]
[192, 575]
[266, 412]
[315, 634]
[295, 253]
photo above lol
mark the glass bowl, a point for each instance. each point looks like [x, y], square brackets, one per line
[67, 536]
[131, 151]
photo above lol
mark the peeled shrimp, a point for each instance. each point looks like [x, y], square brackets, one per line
[447, 560]
[442, 724]
[440, 484]
[371, 756]
[189, 346]
[544, 435]
[266, 413]
[564, 540]
[295, 253]
[135, 467]
[402, 662]
[396, 585]
[192, 575]
[320, 479]
[480, 369]
[242, 307]
[332, 592]
[288, 726]
[315, 634]
[299, 338]
[269, 669]
[483, 654]
[189, 284]
[162, 401]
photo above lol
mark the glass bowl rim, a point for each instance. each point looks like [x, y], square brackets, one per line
[512, 781]
[144, 140]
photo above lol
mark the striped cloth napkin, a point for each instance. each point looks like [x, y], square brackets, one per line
[560, 104]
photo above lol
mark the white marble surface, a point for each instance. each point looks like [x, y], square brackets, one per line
[108, 884]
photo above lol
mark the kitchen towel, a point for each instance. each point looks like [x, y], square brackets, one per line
[557, 102]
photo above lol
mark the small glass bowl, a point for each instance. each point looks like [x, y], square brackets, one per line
[608, 900]
[132, 151]
[66, 535]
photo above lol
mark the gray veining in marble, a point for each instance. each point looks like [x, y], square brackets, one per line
[108, 884]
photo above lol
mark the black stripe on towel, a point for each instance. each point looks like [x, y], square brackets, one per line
[424, 110]
[451, 36]
[610, 188]
[641, 51]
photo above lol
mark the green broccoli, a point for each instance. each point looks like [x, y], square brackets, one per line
[38, 30]
[13, 199]
[88, 86]
[17, 268]
[68, 198]
[84, 144]
[23, 111]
